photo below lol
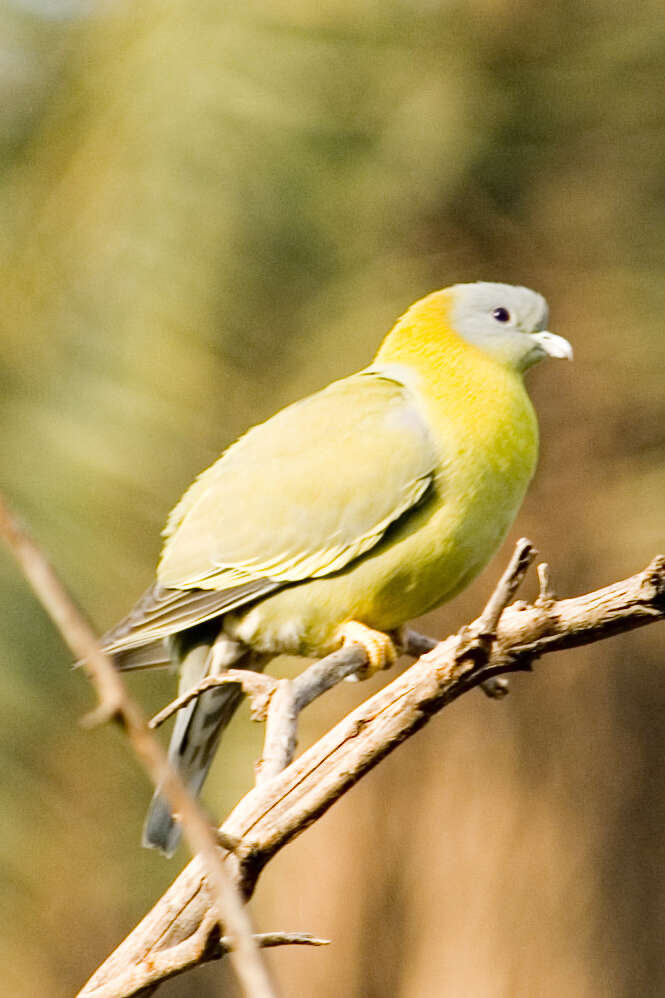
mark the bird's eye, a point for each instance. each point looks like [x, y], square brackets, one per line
[501, 314]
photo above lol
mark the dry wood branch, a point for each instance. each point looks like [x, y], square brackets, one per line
[505, 589]
[202, 947]
[281, 735]
[547, 594]
[116, 704]
[268, 940]
[477, 640]
[255, 685]
[273, 814]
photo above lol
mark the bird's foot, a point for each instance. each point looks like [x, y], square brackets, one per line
[379, 647]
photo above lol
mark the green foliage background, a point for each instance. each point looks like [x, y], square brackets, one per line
[207, 210]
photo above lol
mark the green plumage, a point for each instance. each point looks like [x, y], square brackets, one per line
[373, 500]
[279, 504]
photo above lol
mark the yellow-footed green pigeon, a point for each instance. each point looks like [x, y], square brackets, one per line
[347, 513]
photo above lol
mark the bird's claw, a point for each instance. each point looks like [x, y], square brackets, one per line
[379, 648]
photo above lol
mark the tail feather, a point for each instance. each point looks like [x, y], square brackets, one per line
[193, 746]
[197, 730]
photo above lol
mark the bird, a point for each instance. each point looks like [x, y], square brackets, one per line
[346, 514]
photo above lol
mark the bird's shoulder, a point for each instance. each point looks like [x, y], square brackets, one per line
[306, 491]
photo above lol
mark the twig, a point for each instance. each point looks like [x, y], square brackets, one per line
[267, 940]
[547, 594]
[254, 684]
[506, 587]
[326, 673]
[273, 814]
[115, 703]
[281, 736]
[416, 644]
[477, 639]
[202, 946]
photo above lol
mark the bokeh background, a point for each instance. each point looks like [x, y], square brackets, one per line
[208, 210]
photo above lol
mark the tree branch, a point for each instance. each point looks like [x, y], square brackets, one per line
[280, 701]
[116, 704]
[275, 812]
[202, 947]
[255, 685]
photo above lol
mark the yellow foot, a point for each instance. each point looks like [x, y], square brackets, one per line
[379, 647]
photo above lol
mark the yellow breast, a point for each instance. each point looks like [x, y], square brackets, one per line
[477, 408]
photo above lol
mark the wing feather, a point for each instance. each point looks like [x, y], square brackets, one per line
[306, 493]
[161, 612]
[298, 497]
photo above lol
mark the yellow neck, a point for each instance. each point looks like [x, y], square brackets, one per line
[423, 341]
[473, 401]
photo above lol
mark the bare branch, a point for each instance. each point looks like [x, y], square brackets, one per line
[416, 644]
[477, 640]
[202, 946]
[115, 703]
[65, 615]
[267, 940]
[506, 588]
[326, 673]
[274, 813]
[547, 594]
[281, 737]
[255, 685]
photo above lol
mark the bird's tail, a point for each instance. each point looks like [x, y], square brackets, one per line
[196, 733]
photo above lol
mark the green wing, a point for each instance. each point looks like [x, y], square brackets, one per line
[297, 497]
[305, 493]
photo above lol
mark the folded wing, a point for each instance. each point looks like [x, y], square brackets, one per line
[297, 497]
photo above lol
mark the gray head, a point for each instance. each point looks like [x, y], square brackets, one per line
[506, 321]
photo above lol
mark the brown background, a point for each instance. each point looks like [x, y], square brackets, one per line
[205, 213]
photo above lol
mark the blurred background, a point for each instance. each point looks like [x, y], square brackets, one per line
[208, 210]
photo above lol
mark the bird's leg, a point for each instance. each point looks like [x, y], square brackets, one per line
[224, 653]
[379, 647]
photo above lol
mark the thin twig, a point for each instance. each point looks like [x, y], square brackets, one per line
[547, 594]
[281, 735]
[477, 639]
[202, 946]
[115, 703]
[266, 940]
[506, 587]
[416, 644]
[256, 685]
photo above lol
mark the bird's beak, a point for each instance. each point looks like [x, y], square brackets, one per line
[553, 345]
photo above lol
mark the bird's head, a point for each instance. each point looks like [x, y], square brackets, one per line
[508, 322]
